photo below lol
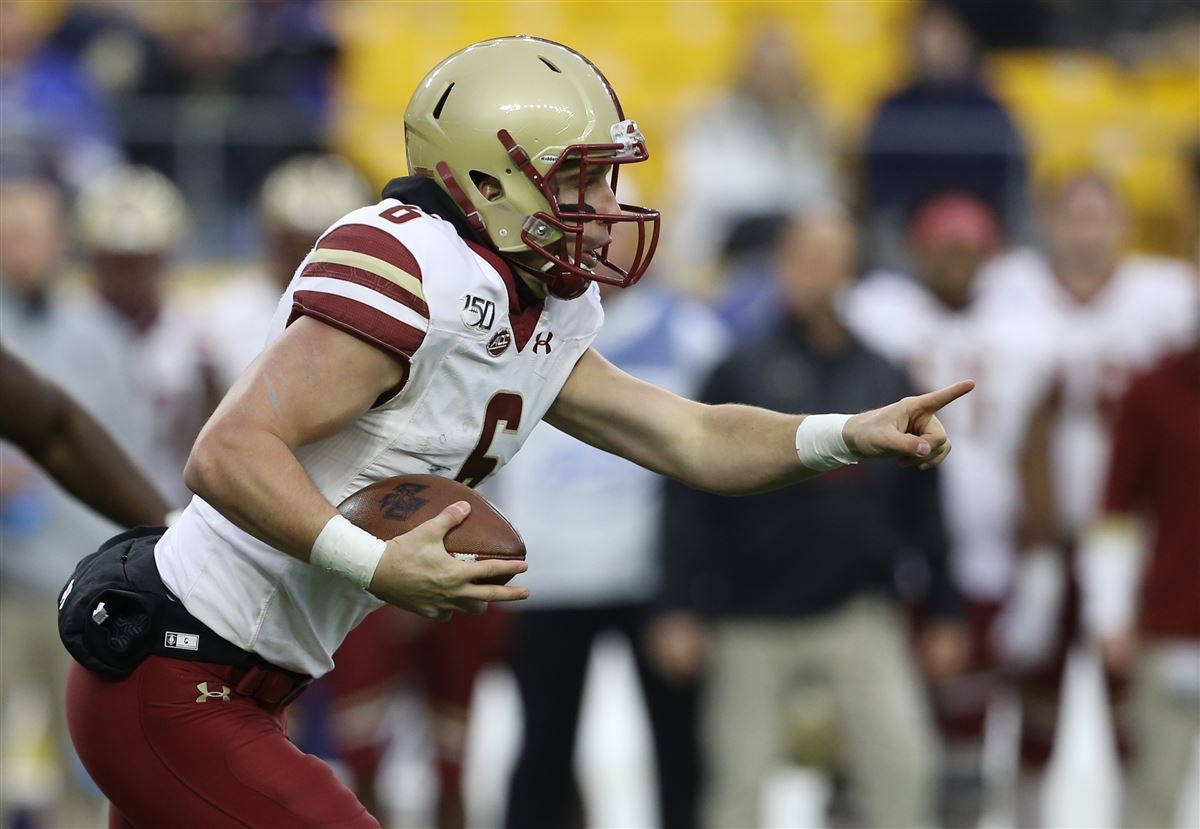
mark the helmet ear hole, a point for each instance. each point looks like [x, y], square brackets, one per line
[488, 185]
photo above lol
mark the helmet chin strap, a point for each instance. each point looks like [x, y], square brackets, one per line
[558, 284]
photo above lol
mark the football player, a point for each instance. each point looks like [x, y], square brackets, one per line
[1107, 315]
[939, 326]
[428, 333]
[298, 201]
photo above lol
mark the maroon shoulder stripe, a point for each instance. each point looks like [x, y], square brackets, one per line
[373, 242]
[368, 324]
[370, 280]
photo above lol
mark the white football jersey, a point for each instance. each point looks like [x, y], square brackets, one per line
[481, 371]
[1148, 307]
[1007, 357]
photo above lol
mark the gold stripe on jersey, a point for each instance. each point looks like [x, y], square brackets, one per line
[371, 264]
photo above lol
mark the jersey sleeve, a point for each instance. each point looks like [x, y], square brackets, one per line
[365, 281]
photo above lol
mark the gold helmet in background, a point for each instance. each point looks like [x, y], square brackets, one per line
[131, 209]
[518, 109]
[308, 193]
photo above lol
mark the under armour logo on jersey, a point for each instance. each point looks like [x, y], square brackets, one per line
[206, 695]
[402, 502]
[543, 341]
[478, 312]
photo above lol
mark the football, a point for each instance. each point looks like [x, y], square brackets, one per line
[396, 505]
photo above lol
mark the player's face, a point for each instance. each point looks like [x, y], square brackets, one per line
[1086, 226]
[288, 248]
[130, 282]
[949, 268]
[31, 235]
[595, 196]
[816, 262]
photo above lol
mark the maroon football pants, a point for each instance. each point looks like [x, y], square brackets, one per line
[175, 745]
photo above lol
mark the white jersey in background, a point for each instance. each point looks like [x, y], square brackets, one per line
[1148, 307]
[1007, 357]
[590, 520]
[237, 318]
[149, 389]
[480, 374]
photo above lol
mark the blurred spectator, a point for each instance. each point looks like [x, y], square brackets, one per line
[766, 137]
[1106, 315]
[946, 129]
[938, 329]
[137, 361]
[41, 529]
[798, 584]
[32, 250]
[235, 88]
[52, 120]
[299, 200]
[591, 524]
[1126, 29]
[1148, 532]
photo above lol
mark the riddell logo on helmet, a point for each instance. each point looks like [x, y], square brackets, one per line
[499, 342]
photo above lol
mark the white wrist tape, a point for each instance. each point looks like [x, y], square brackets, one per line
[350, 552]
[1110, 564]
[820, 444]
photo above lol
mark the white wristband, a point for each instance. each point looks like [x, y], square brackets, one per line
[820, 444]
[350, 552]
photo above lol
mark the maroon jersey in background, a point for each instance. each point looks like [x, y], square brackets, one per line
[1156, 474]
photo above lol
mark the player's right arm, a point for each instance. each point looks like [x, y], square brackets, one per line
[312, 382]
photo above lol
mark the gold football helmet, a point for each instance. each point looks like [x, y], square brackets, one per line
[518, 109]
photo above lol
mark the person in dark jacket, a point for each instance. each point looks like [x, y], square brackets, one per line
[800, 586]
[946, 129]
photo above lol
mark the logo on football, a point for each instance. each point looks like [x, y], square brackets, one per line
[403, 501]
[499, 342]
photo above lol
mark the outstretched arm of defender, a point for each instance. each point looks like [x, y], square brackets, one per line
[732, 449]
[74, 449]
[313, 381]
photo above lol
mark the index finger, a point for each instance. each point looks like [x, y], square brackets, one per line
[935, 400]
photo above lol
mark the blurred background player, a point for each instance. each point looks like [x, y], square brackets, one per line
[1106, 314]
[597, 576]
[54, 432]
[798, 587]
[934, 324]
[1140, 574]
[137, 361]
[299, 201]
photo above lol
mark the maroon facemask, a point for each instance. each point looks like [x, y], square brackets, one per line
[569, 267]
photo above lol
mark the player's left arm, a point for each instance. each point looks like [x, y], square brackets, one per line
[730, 449]
[55, 431]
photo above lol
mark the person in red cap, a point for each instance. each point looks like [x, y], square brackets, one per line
[936, 324]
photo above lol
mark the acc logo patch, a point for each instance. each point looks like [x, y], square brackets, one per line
[499, 342]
